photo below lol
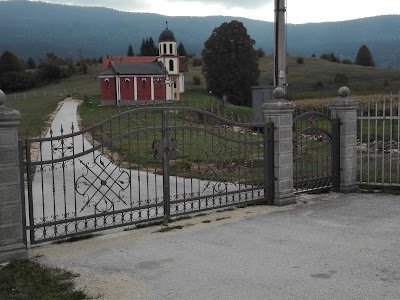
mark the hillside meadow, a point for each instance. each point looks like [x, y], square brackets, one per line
[311, 87]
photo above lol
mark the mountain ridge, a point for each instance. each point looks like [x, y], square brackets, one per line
[35, 28]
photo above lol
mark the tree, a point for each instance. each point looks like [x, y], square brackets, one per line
[230, 64]
[330, 57]
[364, 57]
[260, 52]
[9, 62]
[300, 60]
[13, 81]
[49, 71]
[130, 51]
[181, 50]
[31, 63]
[148, 47]
[83, 66]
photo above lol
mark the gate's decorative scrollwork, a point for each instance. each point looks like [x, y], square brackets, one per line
[219, 168]
[102, 185]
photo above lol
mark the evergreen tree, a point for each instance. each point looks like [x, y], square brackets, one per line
[148, 47]
[31, 63]
[230, 64]
[364, 57]
[130, 51]
[181, 50]
[10, 62]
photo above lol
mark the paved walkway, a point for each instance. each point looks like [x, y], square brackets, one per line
[337, 247]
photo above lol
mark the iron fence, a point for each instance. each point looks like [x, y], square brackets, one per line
[378, 151]
[63, 91]
[143, 165]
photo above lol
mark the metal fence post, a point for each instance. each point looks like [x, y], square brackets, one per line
[345, 109]
[280, 112]
[11, 210]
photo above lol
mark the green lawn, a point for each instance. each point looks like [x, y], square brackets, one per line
[27, 279]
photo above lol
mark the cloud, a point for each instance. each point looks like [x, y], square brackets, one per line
[131, 5]
[249, 4]
[119, 5]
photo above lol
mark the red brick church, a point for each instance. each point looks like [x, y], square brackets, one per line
[139, 79]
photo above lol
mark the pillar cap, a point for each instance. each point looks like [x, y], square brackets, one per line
[279, 93]
[344, 101]
[2, 98]
[344, 91]
[7, 114]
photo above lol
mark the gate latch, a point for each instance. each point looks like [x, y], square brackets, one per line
[158, 149]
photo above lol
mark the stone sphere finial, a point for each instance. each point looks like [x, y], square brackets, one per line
[279, 93]
[2, 97]
[344, 91]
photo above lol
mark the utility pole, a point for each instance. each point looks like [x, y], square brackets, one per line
[280, 44]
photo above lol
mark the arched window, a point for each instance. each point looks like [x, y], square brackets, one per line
[160, 50]
[159, 80]
[171, 65]
[165, 48]
[127, 83]
[170, 49]
[143, 82]
[106, 83]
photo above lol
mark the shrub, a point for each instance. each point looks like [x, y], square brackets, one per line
[260, 53]
[341, 78]
[300, 60]
[196, 80]
[86, 100]
[347, 61]
[13, 81]
[197, 62]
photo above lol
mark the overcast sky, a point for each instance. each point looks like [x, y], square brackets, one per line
[298, 11]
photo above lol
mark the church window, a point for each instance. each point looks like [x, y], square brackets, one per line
[143, 82]
[106, 83]
[127, 80]
[170, 49]
[165, 48]
[171, 65]
[159, 80]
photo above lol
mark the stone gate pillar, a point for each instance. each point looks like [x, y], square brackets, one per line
[280, 112]
[11, 220]
[346, 109]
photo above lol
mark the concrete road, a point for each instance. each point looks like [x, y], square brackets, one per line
[333, 247]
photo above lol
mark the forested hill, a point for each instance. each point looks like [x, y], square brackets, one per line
[35, 28]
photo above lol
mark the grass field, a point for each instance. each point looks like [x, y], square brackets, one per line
[315, 78]
[367, 84]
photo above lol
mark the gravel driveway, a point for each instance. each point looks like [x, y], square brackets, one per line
[330, 246]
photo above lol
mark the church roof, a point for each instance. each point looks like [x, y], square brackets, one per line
[137, 59]
[167, 36]
[135, 68]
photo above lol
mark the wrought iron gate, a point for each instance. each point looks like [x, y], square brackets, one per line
[316, 152]
[142, 165]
